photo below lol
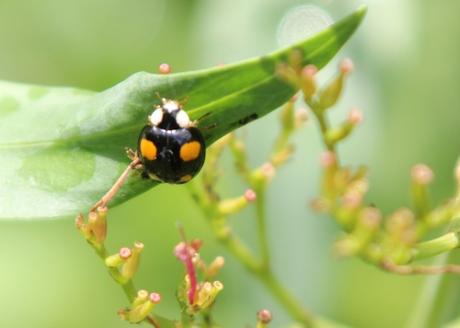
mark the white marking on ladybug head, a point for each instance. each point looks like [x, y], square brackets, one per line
[156, 117]
[182, 119]
[171, 106]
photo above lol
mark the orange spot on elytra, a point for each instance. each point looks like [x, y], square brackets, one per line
[148, 149]
[190, 151]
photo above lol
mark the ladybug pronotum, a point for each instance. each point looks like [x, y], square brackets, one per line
[170, 147]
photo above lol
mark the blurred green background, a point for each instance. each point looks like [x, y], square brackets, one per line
[407, 83]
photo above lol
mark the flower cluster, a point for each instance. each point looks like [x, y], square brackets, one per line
[122, 266]
[197, 297]
[393, 241]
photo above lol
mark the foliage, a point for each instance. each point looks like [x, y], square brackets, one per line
[63, 147]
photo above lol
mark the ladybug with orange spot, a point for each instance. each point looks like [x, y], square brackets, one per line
[170, 147]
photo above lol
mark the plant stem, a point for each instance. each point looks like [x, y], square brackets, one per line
[286, 299]
[260, 269]
[262, 228]
[436, 246]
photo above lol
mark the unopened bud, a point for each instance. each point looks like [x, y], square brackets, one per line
[119, 258]
[400, 226]
[196, 244]
[300, 116]
[155, 298]
[250, 195]
[371, 218]
[355, 116]
[422, 174]
[132, 263]
[164, 68]
[264, 316]
[331, 93]
[328, 159]
[141, 297]
[215, 266]
[207, 294]
[346, 66]
[233, 205]
[339, 133]
[308, 81]
[182, 251]
[268, 170]
[141, 307]
[351, 200]
[287, 116]
[82, 227]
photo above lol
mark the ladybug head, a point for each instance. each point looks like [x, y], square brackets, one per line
[170, 116]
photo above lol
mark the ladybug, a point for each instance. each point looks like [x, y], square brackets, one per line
[170, 147]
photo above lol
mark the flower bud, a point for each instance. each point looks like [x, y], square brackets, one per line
[331, 93]
[98, 224]
[262, 175]
[300, 117]
[207, 294]
[233, 205]
[132, 262]
[82, 226]
[328, 159]
[264, 317]
[141, 297]
[215, 266]
[401, 227]
[339, 133]
[346, 66]
[308, 81]
[422, 176]
[164, 68]
[250, 195]
[287, 116]
[142, 309]
[363, 233]
[196, 244]
[355, 116]
[118, 259]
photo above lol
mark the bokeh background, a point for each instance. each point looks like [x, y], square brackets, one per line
[407, 83]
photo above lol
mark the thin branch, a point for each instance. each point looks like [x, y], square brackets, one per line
[420, 269]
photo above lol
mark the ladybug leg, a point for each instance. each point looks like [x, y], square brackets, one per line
[193, 124]
[135, 163]
[131, 153]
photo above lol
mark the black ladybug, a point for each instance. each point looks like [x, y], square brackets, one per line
[170, 148]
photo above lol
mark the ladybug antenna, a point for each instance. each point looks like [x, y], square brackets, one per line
[163, 100]
[183, 101]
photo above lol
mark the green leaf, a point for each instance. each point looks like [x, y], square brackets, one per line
[62, 148]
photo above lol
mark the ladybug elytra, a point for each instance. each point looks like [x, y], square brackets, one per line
[170, 147]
